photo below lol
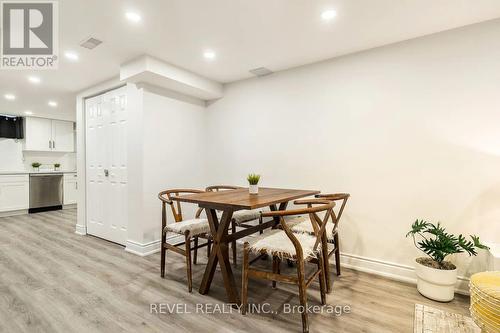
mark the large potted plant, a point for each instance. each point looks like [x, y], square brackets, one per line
[436, 277]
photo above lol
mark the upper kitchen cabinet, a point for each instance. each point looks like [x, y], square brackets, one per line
[49, 135]
[63, 136]
[38, 134]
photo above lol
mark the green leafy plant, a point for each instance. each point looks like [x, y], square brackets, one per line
[253, 179]
[35, 164]
[57, 165]
[438, 244]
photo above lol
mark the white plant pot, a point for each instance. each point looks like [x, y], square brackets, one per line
[253, 189]
[436, 284]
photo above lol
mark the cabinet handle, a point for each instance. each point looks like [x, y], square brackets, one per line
[53, 145]
[50, 144]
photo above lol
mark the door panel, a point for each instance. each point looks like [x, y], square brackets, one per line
[106, 126]
[95, 188]
[118, 158]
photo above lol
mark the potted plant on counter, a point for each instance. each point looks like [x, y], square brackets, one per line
[57, 166]
[253, 181]
[436, 277]
[36, 166]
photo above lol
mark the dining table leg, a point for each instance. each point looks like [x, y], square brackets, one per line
[220, 254]
[273, 208]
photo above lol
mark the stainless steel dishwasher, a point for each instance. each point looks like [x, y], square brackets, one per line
[46, 192]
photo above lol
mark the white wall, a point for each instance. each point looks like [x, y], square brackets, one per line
[174, 135]
[13, 158]
[167, 136]
[411, 130]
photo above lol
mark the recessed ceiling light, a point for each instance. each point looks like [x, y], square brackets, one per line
[71, 55]
[53, 103]
[133, 17]
[10, 97]
[210, 55]
[34, 79]
[328, 14]
[29, 113]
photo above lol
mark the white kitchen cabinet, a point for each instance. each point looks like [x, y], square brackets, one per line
[63, 136]
[49, 135]
[70, 188]
[38, 134]
[14, 192]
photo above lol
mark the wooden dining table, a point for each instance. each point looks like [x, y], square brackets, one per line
[228, 202]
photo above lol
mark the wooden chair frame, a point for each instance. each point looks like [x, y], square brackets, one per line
[314, 206]
[217, 188]
[166, 198]
[335, 241]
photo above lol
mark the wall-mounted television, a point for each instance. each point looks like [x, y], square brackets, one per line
[11, 127]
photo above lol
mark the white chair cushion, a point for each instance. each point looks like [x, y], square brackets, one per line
[277, 243]
[303, 225]
[194, 226]
[242, 216]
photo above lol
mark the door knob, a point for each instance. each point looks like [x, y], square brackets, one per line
[106, 172]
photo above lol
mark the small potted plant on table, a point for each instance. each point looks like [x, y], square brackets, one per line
[35, 166]
[253, 181]
[57, 166]
[436, 277]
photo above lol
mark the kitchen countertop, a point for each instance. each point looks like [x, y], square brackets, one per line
[21, 172]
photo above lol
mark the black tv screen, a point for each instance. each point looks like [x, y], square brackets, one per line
[11, 127]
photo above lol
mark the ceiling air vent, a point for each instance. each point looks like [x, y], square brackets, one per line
[90, 43]
[261, 71]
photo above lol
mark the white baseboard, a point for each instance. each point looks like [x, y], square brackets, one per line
[80, 230]
[151, 247]
[14, 213]
[70, 206]
[142, 249]
[392, 271]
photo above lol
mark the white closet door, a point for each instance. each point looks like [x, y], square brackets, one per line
[117, 163]
[95, 166]
[106, 159]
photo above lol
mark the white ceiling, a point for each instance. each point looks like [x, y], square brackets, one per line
[277, 34]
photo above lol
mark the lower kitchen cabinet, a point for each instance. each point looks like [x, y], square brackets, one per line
[14, 192]
[70, 188]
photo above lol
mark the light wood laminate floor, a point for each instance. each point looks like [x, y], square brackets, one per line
[52, 280]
